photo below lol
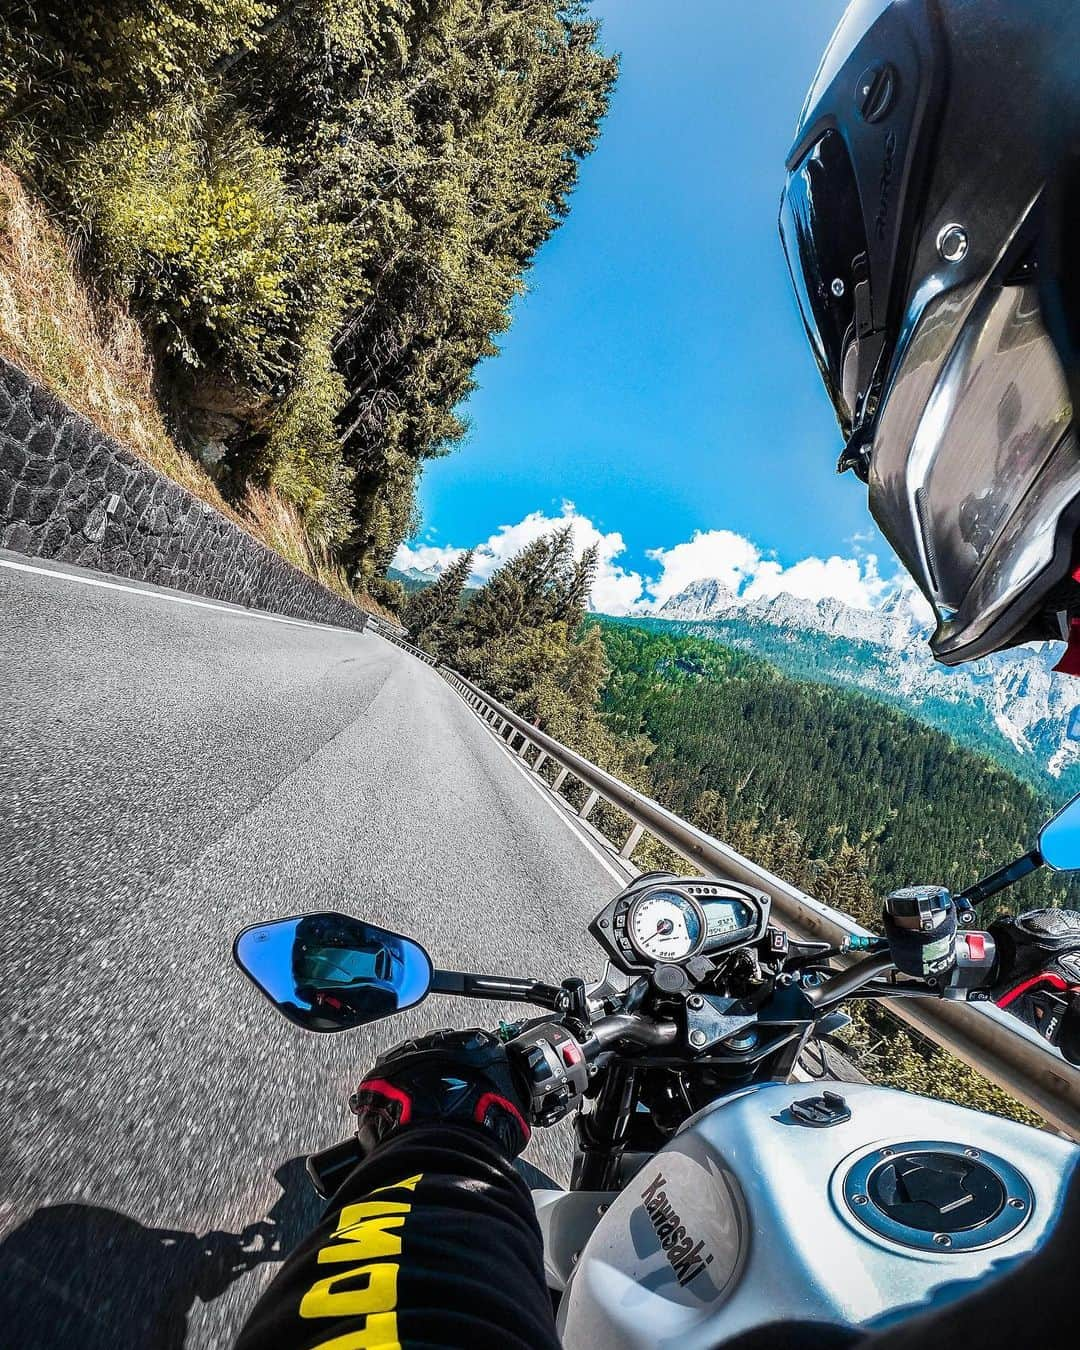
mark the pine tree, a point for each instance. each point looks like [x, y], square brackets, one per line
[575, 603]
[431, 614]
[324, 210]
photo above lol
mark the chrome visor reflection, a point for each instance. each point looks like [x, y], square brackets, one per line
[979, 447]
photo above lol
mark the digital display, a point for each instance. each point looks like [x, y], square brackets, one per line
[726, 916]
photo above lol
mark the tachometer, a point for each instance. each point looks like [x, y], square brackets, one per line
[665, 925]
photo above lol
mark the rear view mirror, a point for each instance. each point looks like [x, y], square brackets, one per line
[329, 972]
[1059, 839]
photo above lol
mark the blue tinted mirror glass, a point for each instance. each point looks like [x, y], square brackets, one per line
[328, 972]
[1059, 839]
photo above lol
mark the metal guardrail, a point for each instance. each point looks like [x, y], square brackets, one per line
[396, 634]
[996, 1045]
[386, 628]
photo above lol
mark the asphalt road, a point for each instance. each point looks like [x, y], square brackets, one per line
[169, 773]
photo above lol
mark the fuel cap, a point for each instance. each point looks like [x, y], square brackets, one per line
[938, 1196]
[936, 1192]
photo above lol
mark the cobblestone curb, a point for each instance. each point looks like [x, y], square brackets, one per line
[72, 494]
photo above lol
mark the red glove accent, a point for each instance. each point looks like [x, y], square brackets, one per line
[1070, 657]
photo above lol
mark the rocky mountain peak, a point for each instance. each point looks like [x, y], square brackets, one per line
[1013, 693]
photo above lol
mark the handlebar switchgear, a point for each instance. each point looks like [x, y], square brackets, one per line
[552, 1069]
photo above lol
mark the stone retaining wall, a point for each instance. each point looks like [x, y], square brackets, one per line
[72, 494]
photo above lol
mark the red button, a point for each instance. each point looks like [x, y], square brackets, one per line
[976, 944]
[571, 1055]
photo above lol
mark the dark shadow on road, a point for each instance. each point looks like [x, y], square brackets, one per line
[534, 1178]
[81, 1276]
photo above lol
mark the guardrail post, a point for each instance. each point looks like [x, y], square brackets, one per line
[523, 747]
[632, 841]
[538, 761]
[560, 780]
[590, 802]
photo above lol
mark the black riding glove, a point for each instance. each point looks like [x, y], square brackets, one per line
[1037, 978]
[446, 1077]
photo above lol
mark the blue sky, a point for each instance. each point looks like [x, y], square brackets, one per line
[656, 374]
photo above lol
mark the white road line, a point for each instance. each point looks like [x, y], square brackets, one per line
[546, 794]
[168, 595]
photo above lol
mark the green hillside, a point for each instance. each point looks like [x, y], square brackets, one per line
[320, 215]
[847, 663]
[737, 740]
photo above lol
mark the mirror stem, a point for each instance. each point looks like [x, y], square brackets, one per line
[507, 987]
[1003, 877]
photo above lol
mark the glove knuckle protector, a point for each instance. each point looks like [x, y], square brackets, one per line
[447, 1077]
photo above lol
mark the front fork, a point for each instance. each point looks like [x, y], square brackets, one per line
[602, 1133]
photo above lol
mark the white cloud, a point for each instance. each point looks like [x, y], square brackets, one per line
[424, 557]
[731, 558]
[614, 590]
[719, 555]
[714, 555]
[854, 581]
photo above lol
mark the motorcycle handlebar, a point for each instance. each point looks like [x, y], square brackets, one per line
[846, 982]
[633, 1027]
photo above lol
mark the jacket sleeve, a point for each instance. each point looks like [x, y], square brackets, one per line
[432, 1242]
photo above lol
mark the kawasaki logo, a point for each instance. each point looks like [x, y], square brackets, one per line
[685, 1256]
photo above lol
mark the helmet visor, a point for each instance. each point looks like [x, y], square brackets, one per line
[970, 479]
[821, 227]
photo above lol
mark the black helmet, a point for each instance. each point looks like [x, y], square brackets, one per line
[915, 224]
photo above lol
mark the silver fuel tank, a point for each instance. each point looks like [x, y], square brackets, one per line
[751, 1216]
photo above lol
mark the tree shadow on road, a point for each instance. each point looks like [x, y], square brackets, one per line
[93, 1278]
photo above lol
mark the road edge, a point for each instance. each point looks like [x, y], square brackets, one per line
[71, 494]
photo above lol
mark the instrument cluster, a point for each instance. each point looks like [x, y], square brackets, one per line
[662, 919]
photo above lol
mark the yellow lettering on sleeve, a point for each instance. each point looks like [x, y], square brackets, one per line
[378, 1293]
[369, 1209]
[409, 1184]
[365, 1240]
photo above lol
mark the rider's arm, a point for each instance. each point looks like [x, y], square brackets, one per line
[433, 1241]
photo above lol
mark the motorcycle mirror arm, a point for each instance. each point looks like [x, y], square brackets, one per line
[1002, 878]
[509, 988]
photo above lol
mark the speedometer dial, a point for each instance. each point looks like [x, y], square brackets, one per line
[665, 925]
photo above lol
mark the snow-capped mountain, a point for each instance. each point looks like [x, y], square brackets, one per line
[1007, 702]
[425, 576]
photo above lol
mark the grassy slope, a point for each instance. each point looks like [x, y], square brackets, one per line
[95, 358]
